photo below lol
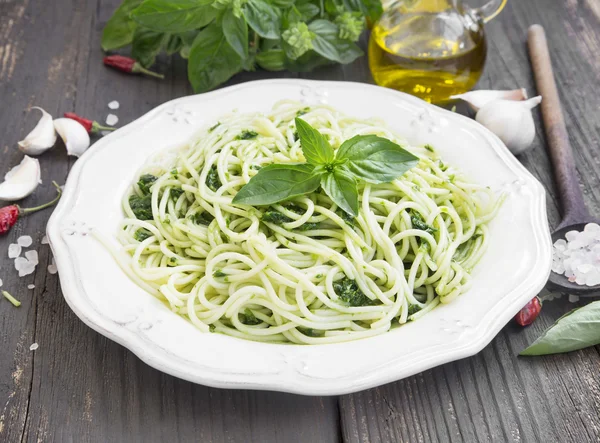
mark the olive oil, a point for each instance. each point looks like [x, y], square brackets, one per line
[431, 55]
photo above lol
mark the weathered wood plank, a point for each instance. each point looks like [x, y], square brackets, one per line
[496, 396]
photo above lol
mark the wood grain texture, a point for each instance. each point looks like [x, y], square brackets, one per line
[79, 386]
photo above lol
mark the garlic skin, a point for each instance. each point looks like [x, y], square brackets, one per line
[41, 138]
[75, 136]
[21, 180]
[478, 99]
[511, 121]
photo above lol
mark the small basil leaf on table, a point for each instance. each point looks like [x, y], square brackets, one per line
[375, 159]
[174, 15]
[119, 30]
[235, 30]
[262, 18]
[340, 186]
[212, 61]
[327, 42]
[146, 45]
[578, 329]
[278, 182]
[315, 146]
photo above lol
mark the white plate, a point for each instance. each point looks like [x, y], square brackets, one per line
[513, 270]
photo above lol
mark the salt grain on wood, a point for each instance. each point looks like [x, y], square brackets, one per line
[33, 347]
[112, 119]
[25, 241]
[14, 250]
[114, 105]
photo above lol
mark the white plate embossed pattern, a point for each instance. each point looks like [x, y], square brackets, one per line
[513, 270]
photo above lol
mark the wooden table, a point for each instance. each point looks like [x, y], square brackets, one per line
[79, 386]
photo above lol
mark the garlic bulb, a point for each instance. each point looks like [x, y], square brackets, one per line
[21, 180]
[75, 136]
[41, 138]
[478, 99]
[511, 121]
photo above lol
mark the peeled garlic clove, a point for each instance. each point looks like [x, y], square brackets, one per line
[511, 121]
[478, 99]
[21, 180]
[41, 138]
[75, 136]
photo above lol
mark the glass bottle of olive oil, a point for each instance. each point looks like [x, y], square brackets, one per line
[429, 48]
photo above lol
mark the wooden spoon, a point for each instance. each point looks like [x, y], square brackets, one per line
[574, 213]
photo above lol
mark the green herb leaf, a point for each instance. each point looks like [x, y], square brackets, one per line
[340, 186]
[348, 291]
[278, 182]
[248, 318]
[212, 61]
[578, 329]
[141, 207]
[119, 29]
[173, 44]
[212, 179]
[262, 18]
[315, 146]
[371, 8]
[142, 234]
[375, 159]
[247, 134]
[235, 30]
[271, 60]
[174, 15]
[145, 183]
[418, 223]
[328, 43]
[275, 217]
[146, 45]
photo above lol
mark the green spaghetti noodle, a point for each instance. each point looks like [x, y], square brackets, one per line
[301, 271]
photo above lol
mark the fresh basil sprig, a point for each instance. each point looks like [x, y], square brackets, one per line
[575, 330]
[223, 37]
[366, 158]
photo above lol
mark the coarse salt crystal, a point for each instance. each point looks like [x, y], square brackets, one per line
[32, 256]
[33, 347]
[112, 119]
[114, 105]
[27, 269]
[591, 227]
[571, 235]
[30, 286]
[52, 269]
[573, 298]
[20, 262]
[14, 250]
[45, 240]
[0, 282]
[25, 241]
[578, 257]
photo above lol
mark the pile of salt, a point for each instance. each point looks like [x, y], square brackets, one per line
[578, 256]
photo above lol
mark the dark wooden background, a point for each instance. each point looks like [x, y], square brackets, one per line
[81, 387]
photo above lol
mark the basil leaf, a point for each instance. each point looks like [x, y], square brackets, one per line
[174, 15]
[212, 61]
[315, 146]
[173, 44]
[375, 159]
[271, 60]
[235, 30]
[278, 182]
[119, 29]
[340, 186]
[328, 43]
[282, 3]
[146, 45]
[370, 8]
[263, 18]
[187, 39]
[578, 329]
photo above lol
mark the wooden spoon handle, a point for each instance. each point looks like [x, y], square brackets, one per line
[561, 153]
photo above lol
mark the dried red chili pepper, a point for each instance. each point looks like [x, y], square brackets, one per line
[129, 65]
[10, 214]
[90, 126]
[529, 313]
